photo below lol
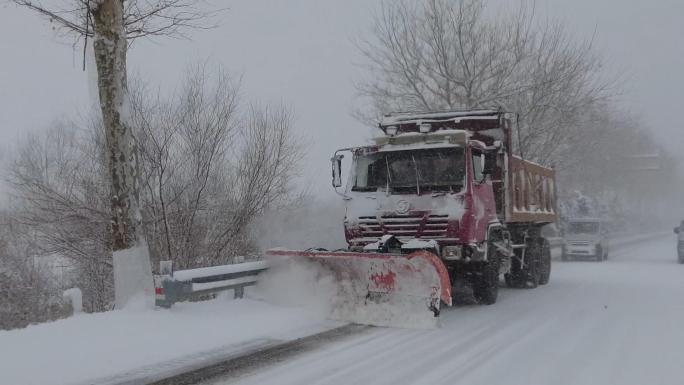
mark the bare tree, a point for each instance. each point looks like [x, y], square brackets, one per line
[449, 54]
[265, 169]
[113, 23]
[61, 199]
[184, 143]
[207, 171]
[598, 166]
[29, 292]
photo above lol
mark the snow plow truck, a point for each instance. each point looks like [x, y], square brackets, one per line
[437, 201]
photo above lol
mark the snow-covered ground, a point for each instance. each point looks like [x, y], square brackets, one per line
[616, 322]
[620, 322]
[140, 345]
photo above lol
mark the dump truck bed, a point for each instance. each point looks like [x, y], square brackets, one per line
[530, 194]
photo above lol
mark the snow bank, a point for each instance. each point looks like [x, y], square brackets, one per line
[93, 347]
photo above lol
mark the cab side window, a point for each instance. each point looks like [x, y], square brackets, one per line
[478, 165]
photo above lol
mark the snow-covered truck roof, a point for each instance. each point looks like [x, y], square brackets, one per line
[414, 140]
[470, 120]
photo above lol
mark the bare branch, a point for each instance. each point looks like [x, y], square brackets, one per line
[142, 18]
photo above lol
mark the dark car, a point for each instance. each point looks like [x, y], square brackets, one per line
[679, 230]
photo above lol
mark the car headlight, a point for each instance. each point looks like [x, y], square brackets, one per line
[452, 252]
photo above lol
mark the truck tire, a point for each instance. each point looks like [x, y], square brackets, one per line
[513, 278]
[532, 270]
[486, 286]
[599, 254]
[545, 263]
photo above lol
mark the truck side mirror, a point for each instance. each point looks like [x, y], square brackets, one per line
[489, 161]
[676, 230]
[337, 170]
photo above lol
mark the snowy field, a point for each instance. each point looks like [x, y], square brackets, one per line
[122, 346]
[616, 322]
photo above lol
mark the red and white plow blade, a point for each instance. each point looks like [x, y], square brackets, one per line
[382, 289]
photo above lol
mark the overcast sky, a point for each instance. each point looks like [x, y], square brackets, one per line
[299, 52]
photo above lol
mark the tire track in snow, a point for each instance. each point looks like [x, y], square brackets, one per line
[247, 363]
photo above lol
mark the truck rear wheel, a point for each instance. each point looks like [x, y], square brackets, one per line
[511, 280]
[545, 263]
[531, 271]
[486, 286]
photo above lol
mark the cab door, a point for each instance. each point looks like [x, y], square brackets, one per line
[483, 202]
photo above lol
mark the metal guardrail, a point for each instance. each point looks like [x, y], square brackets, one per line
[177, 286]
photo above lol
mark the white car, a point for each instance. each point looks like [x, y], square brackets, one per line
[585, 238]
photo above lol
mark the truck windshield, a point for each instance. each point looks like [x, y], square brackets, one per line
[410, 171]
[583, 227]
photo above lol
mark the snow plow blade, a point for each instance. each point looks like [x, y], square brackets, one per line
[403, 290]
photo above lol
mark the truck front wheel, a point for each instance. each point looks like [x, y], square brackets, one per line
[486, 286]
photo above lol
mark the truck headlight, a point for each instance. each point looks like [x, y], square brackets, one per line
[452, 252]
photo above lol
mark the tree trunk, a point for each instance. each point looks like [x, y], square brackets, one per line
[132, 270]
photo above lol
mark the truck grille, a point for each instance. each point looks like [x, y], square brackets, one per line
[405, 226]
[579, 243]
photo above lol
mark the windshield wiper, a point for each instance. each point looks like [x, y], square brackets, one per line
[388, 177]
[415, 167]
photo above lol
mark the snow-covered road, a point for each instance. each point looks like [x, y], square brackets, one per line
[134, 346]
[616, 322]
